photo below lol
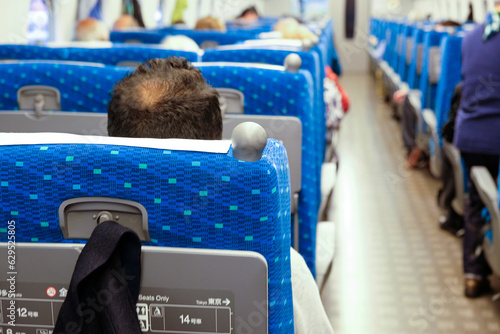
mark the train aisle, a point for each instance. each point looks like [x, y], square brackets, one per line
[395, 271]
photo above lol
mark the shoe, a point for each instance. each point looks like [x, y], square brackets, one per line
[453, 223]
[475, 287]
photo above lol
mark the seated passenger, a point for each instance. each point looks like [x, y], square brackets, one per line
[91, 30]
[180, 42]
[248, 16]
[478, 139]
[210, 23]
[126, 22]
[169, 98]
[415, 154]
[453, 222]
[290, 28]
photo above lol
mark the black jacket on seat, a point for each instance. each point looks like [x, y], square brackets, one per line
[103, 292]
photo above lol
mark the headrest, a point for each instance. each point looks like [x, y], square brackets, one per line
[192, 145]
[86, 45]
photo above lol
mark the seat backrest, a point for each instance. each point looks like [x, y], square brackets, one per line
[95, 124]
[395, 45]
[430, 68]
[137, 37]
[269, 90]
[219, 289]
[276, 56]
[327, 37]
[451, 75]
[114, 55]
[290, 96]
[416, 58]
[199, 36]
[218, 37]
[406, 44]
[82, 88]
[195, 193]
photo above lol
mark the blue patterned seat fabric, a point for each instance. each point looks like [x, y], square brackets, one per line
[388, 36]
[276, 56]
[451, 75]
[394, 45]
[274, 92]
[413, 75]
[87, 88]
[403, 66]
[146, 37]
[431, 39]
[199, 36]
[327, 37]
[82, 88]
[106, 56]
[193, 199]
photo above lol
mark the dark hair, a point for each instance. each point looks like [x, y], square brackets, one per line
[450, 23]
[165, 98]
[249, 10]
[133, 8]
[470, 17]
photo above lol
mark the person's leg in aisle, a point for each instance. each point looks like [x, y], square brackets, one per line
[408, 122]
[476, 268]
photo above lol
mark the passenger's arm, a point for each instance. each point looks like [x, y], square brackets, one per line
[308, 311]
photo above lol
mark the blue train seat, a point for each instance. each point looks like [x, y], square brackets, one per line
[449, 77]
[397, 59]
[290, 96]
[416, 55]
[276, 56]
[284, 99]
[390, 57]
[199, 36]
[429, 77]
[82, 88]
[201, 197]
[327, 38]
[406, 44]
[430, 68]
[115, 55]
[488, 191]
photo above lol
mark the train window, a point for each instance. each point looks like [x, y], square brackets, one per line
[38, 22]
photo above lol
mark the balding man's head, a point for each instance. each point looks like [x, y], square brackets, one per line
[210, 23]
[125, 22]
[90, 30]
[165, 98]
[290, 28]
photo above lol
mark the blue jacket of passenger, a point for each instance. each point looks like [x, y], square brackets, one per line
[477, 128]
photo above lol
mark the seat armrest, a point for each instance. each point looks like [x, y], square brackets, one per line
[435, 151]
[325, 252]
[414, 99]
[430, 120]
[396, 79]
[328, 180]
[453, 155]
[404, 86]
[486, 188]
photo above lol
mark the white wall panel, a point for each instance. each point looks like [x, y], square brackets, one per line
[14, 22]
[64, 20]
[351, 52]
[148, 10]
